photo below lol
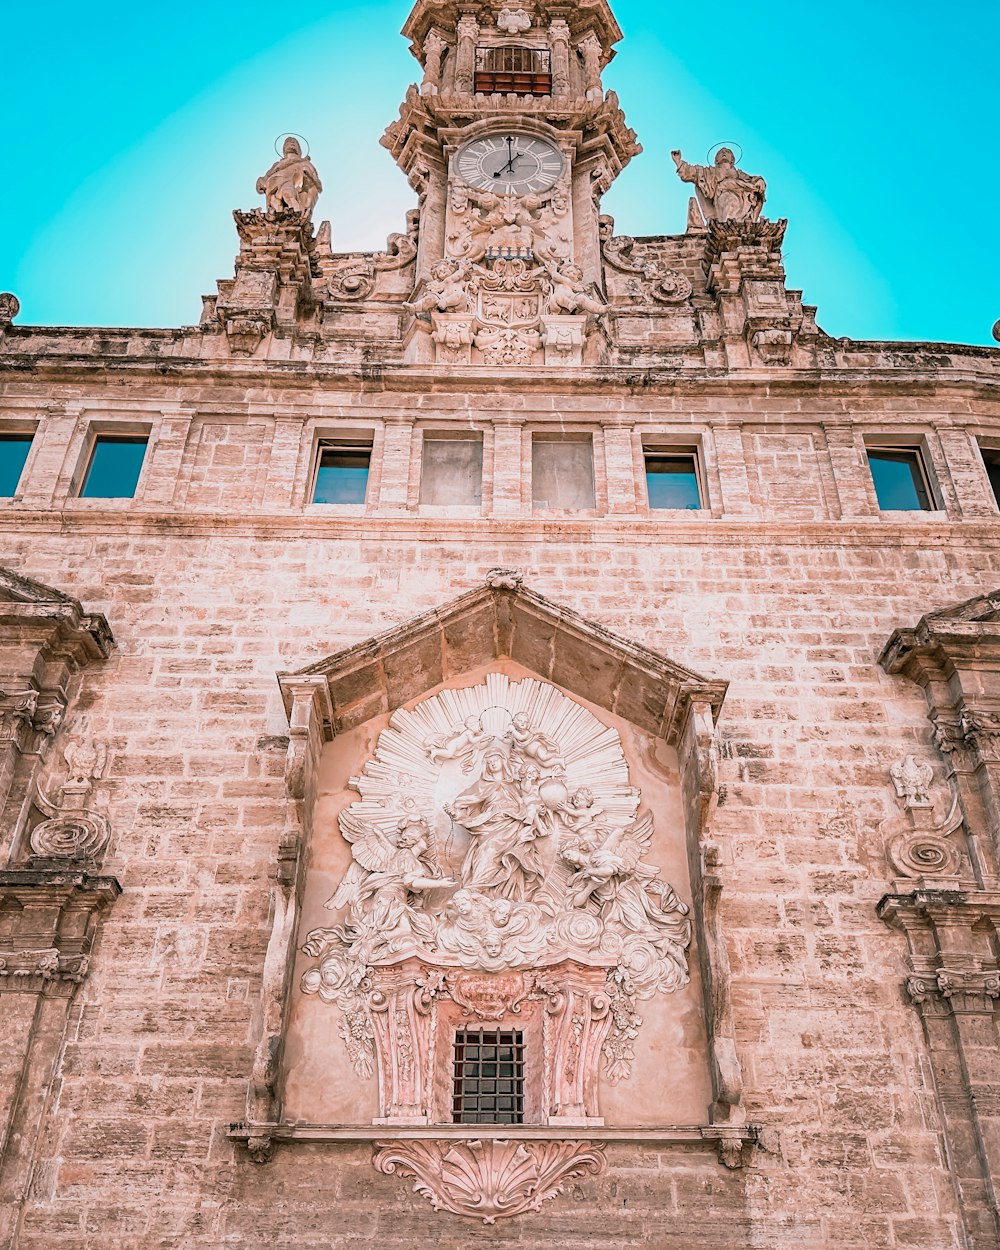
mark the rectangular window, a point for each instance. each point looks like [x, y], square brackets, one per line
[14, 450]
[342, 472]
[451, 471]
[672, 480]
[900, 480]
[991, 458]
[489, 1077]
[562, 474]
[114, 468]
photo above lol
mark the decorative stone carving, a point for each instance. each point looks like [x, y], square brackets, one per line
[292, 181]
[489, 1179]
[72, 831]
[454, 335]
[42, 965]
[653, 280]
[774, 347]
[505, 579]
[446, 290]
[912, 781]
[497, 832]
[245, 334]
[995, 331]
[353, 281]
[591, 51]
[724, 192]
[513, 21]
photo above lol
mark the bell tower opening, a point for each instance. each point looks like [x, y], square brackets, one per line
[513, 70]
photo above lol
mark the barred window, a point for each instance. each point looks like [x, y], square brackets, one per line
[489, 1077]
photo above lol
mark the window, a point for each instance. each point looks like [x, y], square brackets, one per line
[489, 1078]
[991, 458]
[14, 450]
[672, 480]
[900, 480]
[562, 473]
[114, 468]
[451, 471]
[511, 70]
[342, 472]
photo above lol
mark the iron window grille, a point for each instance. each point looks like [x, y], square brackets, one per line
[489, 1077]
[513, 70]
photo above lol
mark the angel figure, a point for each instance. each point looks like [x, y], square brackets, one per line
[528, 743]
[462, 742]
[384, 888]
[569, 294]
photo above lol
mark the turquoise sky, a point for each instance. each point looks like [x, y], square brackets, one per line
[134, 130]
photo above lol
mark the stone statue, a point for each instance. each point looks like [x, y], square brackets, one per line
[292, 181]
[912, 781]
[447, 289]
[725, 193]
[569, 293]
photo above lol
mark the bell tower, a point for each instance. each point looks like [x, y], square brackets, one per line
[510, 141]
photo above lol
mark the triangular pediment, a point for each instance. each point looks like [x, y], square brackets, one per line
[969, 630]
[504, 619]
[24, 602]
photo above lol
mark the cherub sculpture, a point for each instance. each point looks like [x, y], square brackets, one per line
[446, 289]
[528, 743]
[463, 742]
[569, 294]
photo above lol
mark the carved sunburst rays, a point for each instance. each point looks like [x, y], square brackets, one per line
[403, 779]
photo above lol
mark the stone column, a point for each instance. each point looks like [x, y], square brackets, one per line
[559, 43]
[851, 475]
[590, 47]
[465, 57]
[434, 47]
[733, 476]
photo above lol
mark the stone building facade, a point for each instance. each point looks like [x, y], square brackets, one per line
[518, 761]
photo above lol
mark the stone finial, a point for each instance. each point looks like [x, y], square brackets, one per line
[996, 327]
[10, 306]
[292, 181]
[725, 193]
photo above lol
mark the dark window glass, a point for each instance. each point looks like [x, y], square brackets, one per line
[899, 480]
[562, 474]
[992, 461]
[489, 1078]
[14, 450]
[115, 465]
[452, 471]
[672, 482]
[342, 475]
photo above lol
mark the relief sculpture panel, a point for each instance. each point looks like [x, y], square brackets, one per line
[501, 870]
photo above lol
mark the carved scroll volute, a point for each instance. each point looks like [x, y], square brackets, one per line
[310, 713]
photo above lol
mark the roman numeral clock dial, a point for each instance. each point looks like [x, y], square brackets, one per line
[509, 164]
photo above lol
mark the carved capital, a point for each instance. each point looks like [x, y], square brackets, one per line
[489, 1179]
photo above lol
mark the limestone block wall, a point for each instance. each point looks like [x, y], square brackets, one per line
[134, 1150]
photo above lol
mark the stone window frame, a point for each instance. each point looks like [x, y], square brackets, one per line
[575, 431]
[933, 467]
[678, 443]
[21, 427]
[449, 430]
[696, 440]
[988, 444]
[80, 451]
[319, 432]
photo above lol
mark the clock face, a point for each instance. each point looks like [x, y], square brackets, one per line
[509, 163]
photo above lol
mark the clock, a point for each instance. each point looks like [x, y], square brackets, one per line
[509, 163]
